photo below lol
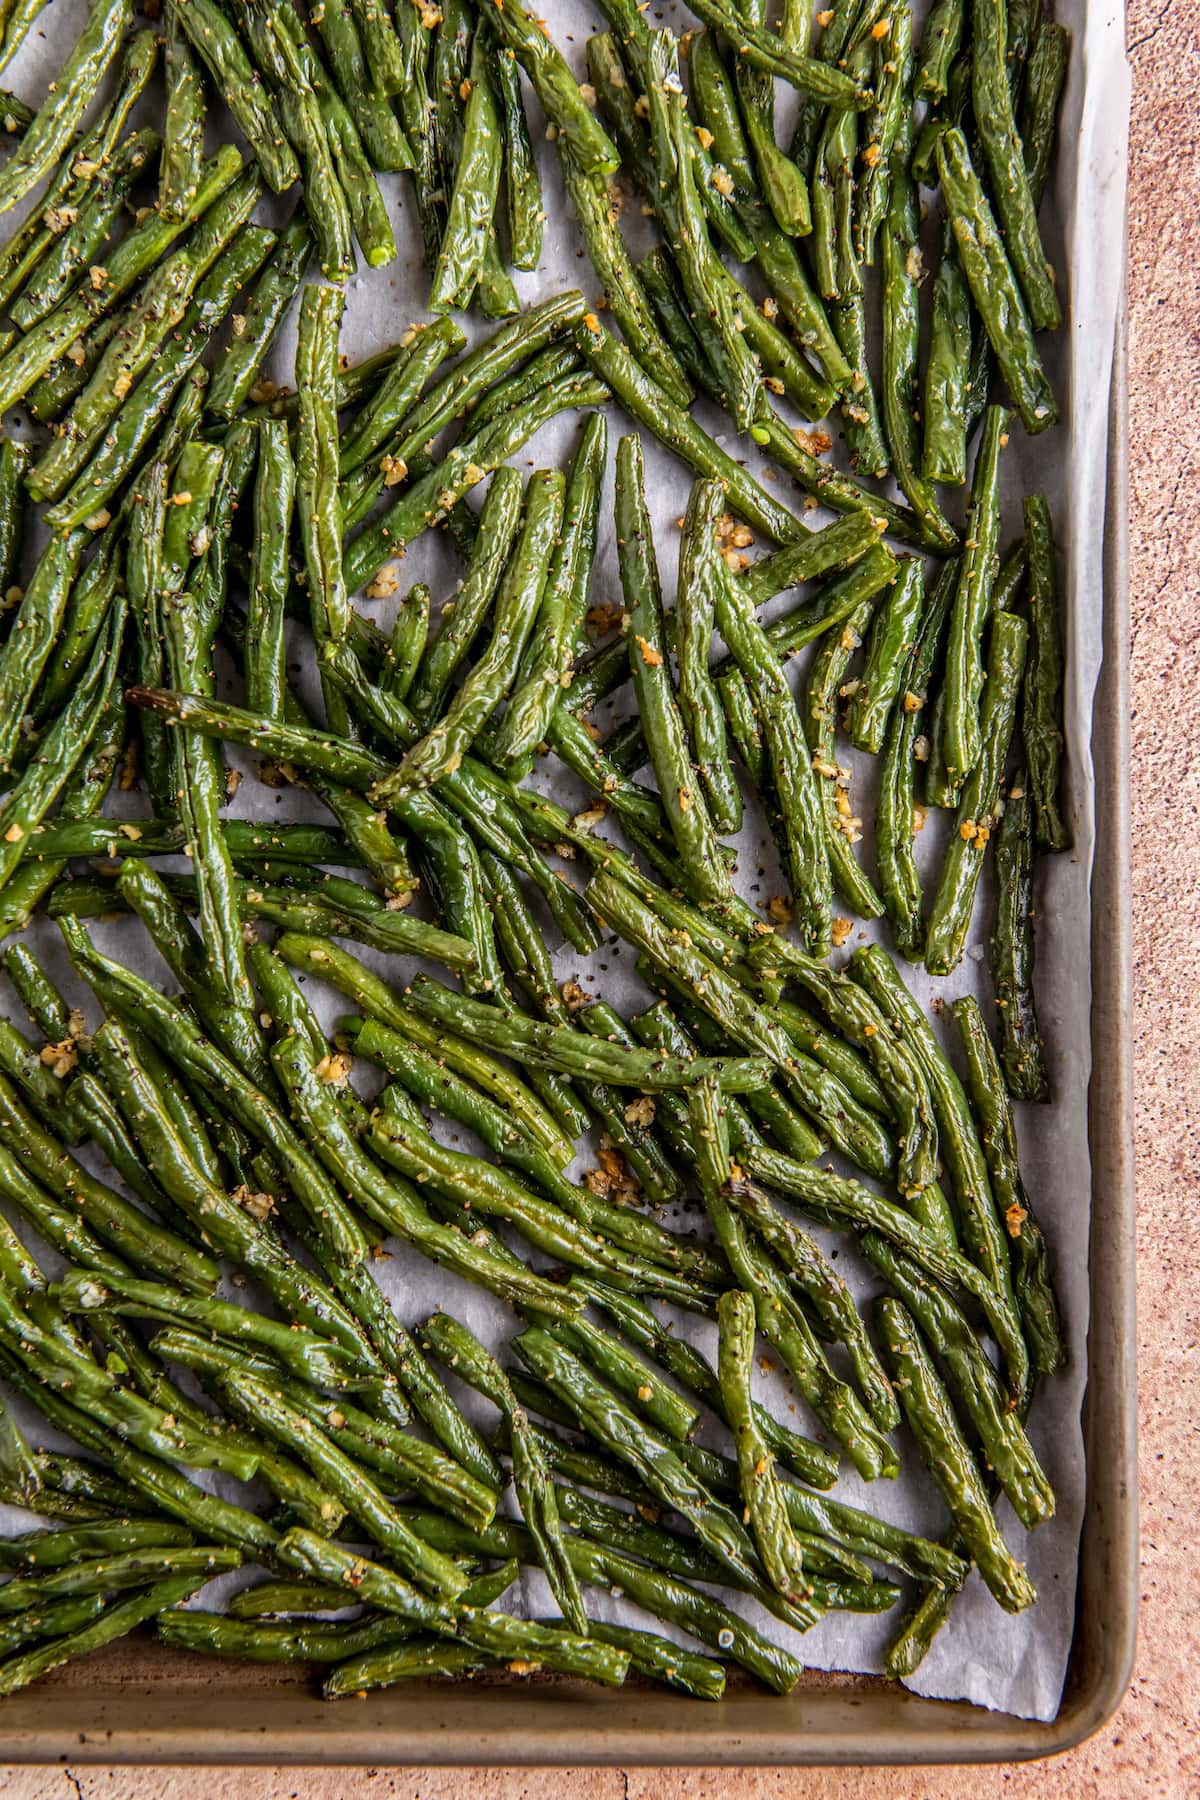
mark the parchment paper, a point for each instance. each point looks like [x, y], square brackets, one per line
[982, 1655]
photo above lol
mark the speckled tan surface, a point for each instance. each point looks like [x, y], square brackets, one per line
[1152, 1747]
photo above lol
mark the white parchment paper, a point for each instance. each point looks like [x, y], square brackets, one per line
[982, 1655]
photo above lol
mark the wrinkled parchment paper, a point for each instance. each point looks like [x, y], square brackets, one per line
[982, 1655]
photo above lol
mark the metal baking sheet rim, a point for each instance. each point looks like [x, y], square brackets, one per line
[106, 1710]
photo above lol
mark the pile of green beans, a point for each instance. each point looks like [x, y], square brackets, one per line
[211, 532]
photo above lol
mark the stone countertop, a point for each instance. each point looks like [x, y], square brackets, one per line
[1152, 1747]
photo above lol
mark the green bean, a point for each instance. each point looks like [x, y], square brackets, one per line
[950, 110]
[462, 1055]
[666, 1597]
[15, 115]
[83, 794]
[782, 1556]
[745, 1022]
[410, 634]
[779, 1318]
[75, 1478]
[403, 1143]
[1045, 75]
[947, 372]
[77, 246]
[40, 998]
[377, 125]
[838, 824]
[183, 133]
[240, 364]
[265, 1408]
[652, 407]
[861, 427]
[391, 404]
[33, 633]
[405, 1460]
[639, 1383]
[1042, 724]
[230, 1228]
[87, 610]
[829, 1199]
[773, 1112]
[963, 679]
[438, 491]
[167, 1490]
[771, 248]
[115, 1621]
[516, 609]
[462, 617]
[893, 634]
[536, 1494]
[352, 167]
[390, 1664]
[270, 1598]
[701, 578]
[522, 184]
[993, 284]
[388, 1200]
[475, 189]
[42, 1550]
[53, 126]
[14, 460]
[823, 552]
[714, 302]
[63, 1230]
[569, 1051]
[317, 460]
[59, 1364]
[830, 1302]
[546, 664]
[316, 1359]
[675, 1555]
[931, 1418]
[55, 1620]
[61, 747]
[683, 800]
[895, 811]
[456, 394]
[783, 185]
[155, 312]
[762, 49]
[1031, 1278]
[1011, 949]
[901, 346]
[20, 1476]
[434, 1081]
[791, 766]
[174, 377]
[886, 131]
[810, 1461]
[780, 362]
[979, 795]
[495, 1633]
[647, 1453]
[19, 17]
[215, 1634]
[992, 105]
[126, 995]
[270, 572]
[940, 40]
[399, 1354]
[840, 492]
[219, 48]
[555, 87]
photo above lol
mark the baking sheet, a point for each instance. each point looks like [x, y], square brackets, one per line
[983, 1655]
